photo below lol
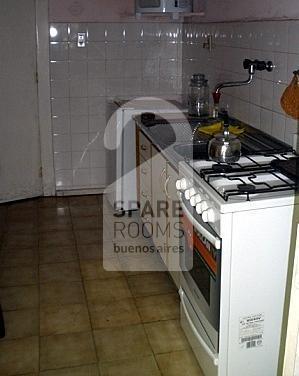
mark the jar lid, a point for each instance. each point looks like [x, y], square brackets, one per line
[198, 77]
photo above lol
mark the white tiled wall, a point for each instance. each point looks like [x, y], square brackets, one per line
[120, 60]
[259, 103]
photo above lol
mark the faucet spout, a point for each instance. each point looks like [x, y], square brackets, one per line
[251, 66]
[222, 85]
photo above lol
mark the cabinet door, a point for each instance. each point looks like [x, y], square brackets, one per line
[173, 240]
[159, 202]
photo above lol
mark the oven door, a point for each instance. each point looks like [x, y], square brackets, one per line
[201, 266]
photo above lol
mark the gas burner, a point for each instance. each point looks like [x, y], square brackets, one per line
[222, 168]
[246, 188]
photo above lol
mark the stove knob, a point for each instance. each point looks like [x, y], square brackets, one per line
[205, 216]
[182, 184]
[205, 205]
[189, 193]
[198, 208]
[213, 215]
[210, 215]
[196, 199]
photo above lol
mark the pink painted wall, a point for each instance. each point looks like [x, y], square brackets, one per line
[216, 10]
[91, 10]
[237, 10]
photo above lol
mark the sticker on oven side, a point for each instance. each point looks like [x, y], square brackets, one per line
[251, 331]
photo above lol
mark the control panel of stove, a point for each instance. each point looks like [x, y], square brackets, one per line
[199, 200]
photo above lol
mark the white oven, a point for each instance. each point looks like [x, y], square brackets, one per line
[232, 296]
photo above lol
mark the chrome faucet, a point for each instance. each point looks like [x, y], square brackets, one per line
[251, 66]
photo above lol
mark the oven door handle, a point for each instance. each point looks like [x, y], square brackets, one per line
[199, 338]
[213, 239]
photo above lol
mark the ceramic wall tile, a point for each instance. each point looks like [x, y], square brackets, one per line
[60, 89]
[77, 53]
[78, 87]
[119, 59]
[97, 32]
[58, 32]
[59, 51]
[96, 50]
[59, 70]
[79, 124]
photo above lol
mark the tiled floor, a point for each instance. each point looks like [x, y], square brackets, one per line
[65, 315]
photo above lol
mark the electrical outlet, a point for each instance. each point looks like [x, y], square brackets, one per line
[81, 39]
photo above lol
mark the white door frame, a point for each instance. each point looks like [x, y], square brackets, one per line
[44, 97]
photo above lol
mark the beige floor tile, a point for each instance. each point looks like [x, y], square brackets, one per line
[150, 284]
[89, 370]
[113, 314]
[88, 236]
[59, 239]
[121, 343]
[23, 297]
[51, 255]
[166, 336]
[94, 269]
[18, 276]
[179, 363]
[15, 257]
[24, 215]
[145, 366]
[87, 223]
[107, 290]
[22, 227]
[21, 356]
[78, 201]
[20, 324]
[57, 224]
[58, 319]
[66, 350]
[90, 252]
[60, 272]
[159, 307]
[61, 293]
[53, 213]
[86, 211]
[52, 202]
[17, 240]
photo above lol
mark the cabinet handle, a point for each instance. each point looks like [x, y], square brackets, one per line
[143, 147]
[166, 186]
[144, 171]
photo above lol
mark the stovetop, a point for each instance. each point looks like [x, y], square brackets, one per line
[251, 177]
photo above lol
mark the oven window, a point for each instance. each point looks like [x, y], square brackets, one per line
[201, 275]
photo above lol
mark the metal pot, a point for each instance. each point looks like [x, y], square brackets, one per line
[225, 147]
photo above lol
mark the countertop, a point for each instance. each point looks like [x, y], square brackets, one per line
[165, 137]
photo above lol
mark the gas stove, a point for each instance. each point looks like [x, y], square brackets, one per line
[237, 220]
[256, 181]
[251, 178]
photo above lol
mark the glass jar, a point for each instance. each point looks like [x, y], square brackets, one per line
[198, 97]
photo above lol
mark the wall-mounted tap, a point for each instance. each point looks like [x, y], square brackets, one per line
[251, 66]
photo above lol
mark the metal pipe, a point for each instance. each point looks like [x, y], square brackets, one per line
[251, 71]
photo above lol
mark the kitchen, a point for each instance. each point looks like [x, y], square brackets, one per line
[90, 58]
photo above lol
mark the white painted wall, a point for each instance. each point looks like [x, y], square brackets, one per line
[19, 133]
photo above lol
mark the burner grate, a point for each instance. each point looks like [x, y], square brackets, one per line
[250, 178]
